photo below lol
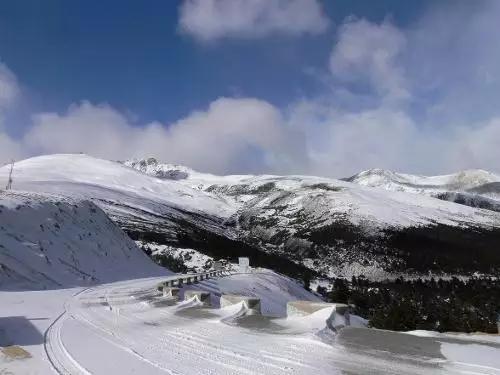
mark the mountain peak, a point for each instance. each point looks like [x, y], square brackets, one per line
[153, 167]
[459, 181]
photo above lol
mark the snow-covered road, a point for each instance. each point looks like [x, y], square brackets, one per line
[126, 328]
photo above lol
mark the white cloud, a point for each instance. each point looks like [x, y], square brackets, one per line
[475, 147]
[9, 89]
[446, 68]
[208, 20]
[98, 130]
[235, 131]
[369, 52]
[231, 135]
[341, 143]
[10, 149]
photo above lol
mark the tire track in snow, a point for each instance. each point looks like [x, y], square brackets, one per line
[111, 337]
[59, 358]
[117, 342]
[196, 353]
[191, 347]
[195, 350]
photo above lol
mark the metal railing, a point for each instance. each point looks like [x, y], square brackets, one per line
[190, 278]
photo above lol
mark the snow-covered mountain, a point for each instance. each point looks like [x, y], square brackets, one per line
[312, 218]
[475, 188]
[48, 241]
[152, 167]
[330, 226]
[461, 181]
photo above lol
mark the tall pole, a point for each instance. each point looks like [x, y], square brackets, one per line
[9, 183]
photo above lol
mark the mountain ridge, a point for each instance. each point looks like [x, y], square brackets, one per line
[300, 224]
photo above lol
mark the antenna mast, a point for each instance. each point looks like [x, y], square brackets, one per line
[9, 183]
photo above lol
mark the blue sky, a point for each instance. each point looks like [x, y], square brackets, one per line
[148, 68]
[129, 54]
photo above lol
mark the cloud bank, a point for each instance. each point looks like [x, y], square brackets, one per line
[417, 100]
[229, 136]
[209, 20]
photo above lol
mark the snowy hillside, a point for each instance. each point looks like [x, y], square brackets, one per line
[245, 191]
[48, 241]
[290, 222]
[461, 181]
[473, 188]
[344, 229]
[132, 199]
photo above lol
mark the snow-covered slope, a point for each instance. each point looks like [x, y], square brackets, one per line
[48, 241]
[474, 188]
[460, 181]
[342, 228]
[323, 223]
[132, 199]
[298, 192]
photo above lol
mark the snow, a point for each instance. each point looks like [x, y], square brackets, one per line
[360, 203]
[48, 241]
[111, 328]
[128, 195]
[88, 177]
[274, 290]
[193, 259]
[277, 213]
[473, 356]
[460, 181]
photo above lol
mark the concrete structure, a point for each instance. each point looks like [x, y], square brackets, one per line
[203, 297]
[303, 308]
[171, 292]
[244, 265]
[252, 303]
[338, 319]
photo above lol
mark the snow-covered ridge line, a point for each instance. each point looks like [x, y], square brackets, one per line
[222, 197]
[459, 181]
[464, 179]
[319, 222]
[241, 190]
